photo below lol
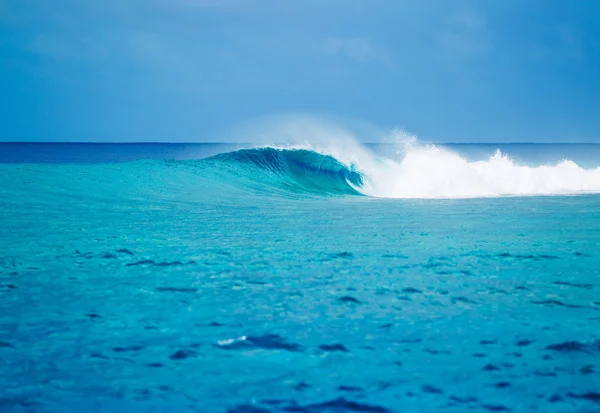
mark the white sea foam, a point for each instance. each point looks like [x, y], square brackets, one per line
[433, 172]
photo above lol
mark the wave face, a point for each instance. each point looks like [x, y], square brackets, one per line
[413, 171]
[295, 170]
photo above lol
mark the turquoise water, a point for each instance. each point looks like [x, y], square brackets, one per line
[291, 281]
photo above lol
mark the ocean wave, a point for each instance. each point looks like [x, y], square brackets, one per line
[416, 171]
[297, 170]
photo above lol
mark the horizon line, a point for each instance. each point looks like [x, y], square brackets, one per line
[279, 143]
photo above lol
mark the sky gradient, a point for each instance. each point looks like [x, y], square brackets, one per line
[189, 70]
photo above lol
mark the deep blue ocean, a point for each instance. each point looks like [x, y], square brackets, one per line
[312, 279]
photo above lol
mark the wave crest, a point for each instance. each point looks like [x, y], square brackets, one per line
[298, 170]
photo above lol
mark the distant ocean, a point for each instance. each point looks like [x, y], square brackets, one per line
[338, 277]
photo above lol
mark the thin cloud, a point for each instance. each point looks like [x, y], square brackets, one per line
[466, 36]
[4, 11]
[571, 43]
[355, 48]
[55, 47]
[220, 4]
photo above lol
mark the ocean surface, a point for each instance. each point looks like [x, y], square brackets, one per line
[337, 277]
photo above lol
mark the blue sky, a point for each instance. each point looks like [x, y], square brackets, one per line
[188, 70]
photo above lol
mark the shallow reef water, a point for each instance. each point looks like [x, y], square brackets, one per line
[202, 286]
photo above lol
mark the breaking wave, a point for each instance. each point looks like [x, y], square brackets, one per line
[417, 171]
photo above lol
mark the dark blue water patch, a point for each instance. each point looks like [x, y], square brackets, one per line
[490, 367]
[302, 386]
[555, 399]
[516, 354]
[555, 303]
[5, 344]
[183, 354]
[104, 255]
[464, 400]
[464, 300]
[348, 299]
[432, 265]
[159, 264]
[86, 255]
[592, 396]
[337, 405]
[177, 290]
[524, 343]
[502, 385]
[575, 285]
[488, 342]
[8, 263]
[333, 347]
[431, 389]
[521, 288]
[495, 407]
[436, 352]
[528, 256]
[548, 257]
[350, 389]
[128, 349]
[369, 348]
[410, 340]
[10, 402]
[155, 365]
[344, 255]
[589, 369]
[104, 357]
[575, 347]
[411, 290]
[266, 342]
[247, 408]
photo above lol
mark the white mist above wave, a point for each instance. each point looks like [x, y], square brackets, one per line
[428, 171]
